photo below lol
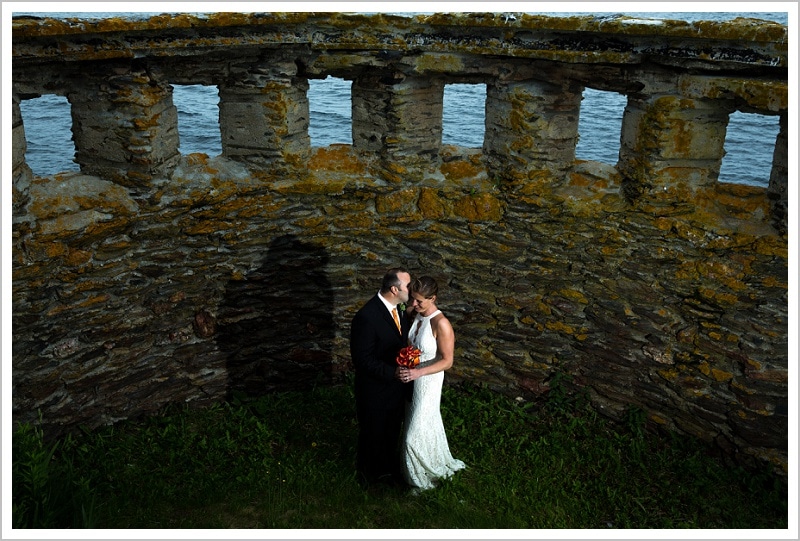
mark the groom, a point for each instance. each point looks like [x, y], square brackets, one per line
[376, 337]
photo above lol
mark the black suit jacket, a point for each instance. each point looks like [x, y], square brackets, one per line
[374, 344]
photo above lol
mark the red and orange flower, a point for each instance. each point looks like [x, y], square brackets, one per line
[408, 357]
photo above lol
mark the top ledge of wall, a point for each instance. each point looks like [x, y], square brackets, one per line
[746, 29]
[738, 44]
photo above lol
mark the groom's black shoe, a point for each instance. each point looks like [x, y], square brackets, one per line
[386, 479]
[393, 481]
[365, 481]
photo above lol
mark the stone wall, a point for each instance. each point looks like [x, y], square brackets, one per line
[152, 278]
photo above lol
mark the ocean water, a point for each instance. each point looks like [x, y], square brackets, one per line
[749, 141]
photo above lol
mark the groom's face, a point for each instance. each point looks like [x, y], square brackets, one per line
[402, 289]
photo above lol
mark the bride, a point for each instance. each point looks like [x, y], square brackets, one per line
[425, 452]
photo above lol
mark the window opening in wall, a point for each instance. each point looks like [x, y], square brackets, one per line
[198, 119]
[464, 115]
[749, 145]
[600, 126]
[48, 133]
[330, 112]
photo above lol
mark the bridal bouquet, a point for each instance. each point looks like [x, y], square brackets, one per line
[408, 357]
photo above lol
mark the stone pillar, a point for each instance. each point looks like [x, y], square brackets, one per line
[778, 191]
[263, 115]
[671, 141]
[370, 99]
[398, 119]
[125, 126]
[21, 174]
[531, 129]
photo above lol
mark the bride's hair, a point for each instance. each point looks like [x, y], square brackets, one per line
[425, 286]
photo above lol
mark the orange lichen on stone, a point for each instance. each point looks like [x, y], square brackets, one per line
[430, 204]
[401, 201]
[90, 285]
[459, 169]
[559, 326]
[146, 123]
[78, 257]
[138, 175]
[721, 375]
[744, 202]
[657, 419]
[336, 158]
[55, 249]
[94, 300]
[356, 222]
[439, 62]
[196, 158]
[481, 207]
[205, 227]
[395, 172]
[669, 375]
[313, 184]
[721, 272]
[251, 206]
[312, 225]
[574, 294]
[579, 180]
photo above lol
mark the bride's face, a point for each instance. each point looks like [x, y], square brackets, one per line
[421, 304]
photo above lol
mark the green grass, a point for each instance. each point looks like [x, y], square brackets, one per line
[286, 460]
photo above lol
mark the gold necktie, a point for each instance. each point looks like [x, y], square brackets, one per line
[396, 319]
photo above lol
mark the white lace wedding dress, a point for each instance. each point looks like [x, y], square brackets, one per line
[426, 455]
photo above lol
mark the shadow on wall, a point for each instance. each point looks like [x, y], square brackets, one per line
[276, 325]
